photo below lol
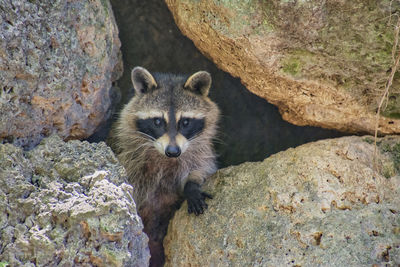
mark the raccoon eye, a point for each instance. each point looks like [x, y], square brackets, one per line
[157, 122]
[185, 122]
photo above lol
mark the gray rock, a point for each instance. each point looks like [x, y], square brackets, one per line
[57, 62]
[67, 204]
[321, 204]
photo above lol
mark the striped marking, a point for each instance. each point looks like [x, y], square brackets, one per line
[149, 114]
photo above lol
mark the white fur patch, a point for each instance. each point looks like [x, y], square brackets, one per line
[189, 114]
[162, 143]
[182, 142]
[148, 114]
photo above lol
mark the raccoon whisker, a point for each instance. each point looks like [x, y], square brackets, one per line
[146, 146]
[193, 137]
[198, 140]
[215, 140]
[138, 148]
[142, 139]
[149, 136]
[146, 135]
[219, 141]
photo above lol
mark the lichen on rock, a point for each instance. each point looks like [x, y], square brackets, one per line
[318, 204]
[67, 204]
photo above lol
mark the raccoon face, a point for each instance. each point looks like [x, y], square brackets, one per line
[170, 139]
[170, 110]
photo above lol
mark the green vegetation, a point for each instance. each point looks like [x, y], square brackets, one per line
[369, 140]
[393, 106]
[291, 66]
[396, 156]
[394, 151]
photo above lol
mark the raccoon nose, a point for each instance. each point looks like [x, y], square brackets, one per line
[172, 151]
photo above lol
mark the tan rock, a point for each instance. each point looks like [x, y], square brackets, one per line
[320, 204]
[322, 63]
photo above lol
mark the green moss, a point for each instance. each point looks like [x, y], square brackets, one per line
[389, 170]
[362, 52]
[369, 140]
[352, 50]
[392, 115]
[386, 147]
[4, 264]
[236, 18]
[393, 107]
[396, 156]
[67, 170]
[292, 66]
[113, 258]
[59, 87]
[298, 61]
[394, 150]
[104, 3]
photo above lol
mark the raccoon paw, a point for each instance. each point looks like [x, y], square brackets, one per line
[196, 198]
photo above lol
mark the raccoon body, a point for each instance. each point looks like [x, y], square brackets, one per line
[164, 141]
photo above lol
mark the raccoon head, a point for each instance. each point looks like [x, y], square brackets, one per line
[173, 111]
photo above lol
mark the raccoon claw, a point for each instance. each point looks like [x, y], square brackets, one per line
[195, 198]
[197, 206]
[207, 195]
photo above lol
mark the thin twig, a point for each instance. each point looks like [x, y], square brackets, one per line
[385, 95]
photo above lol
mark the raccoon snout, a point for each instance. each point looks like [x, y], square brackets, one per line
[172, 151]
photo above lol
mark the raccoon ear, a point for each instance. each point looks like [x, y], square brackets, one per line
[142, 80]
[200, 83]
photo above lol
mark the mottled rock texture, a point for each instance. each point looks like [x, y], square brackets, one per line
[323, 63]
[66, 204]
[320, 204]
[57, 63]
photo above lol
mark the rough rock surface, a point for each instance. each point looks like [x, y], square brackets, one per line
[319, 204]
[66, 204]
[57, 63]
[323, 63]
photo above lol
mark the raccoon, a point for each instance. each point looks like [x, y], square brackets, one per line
[164, 141]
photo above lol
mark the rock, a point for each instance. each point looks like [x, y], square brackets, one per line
[58, 60]
[323, 63]
[320, 204]
[67, 204]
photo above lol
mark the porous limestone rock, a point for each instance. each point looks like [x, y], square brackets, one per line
[58, 60]
[320, 204]
[67, 204]
[323, 63]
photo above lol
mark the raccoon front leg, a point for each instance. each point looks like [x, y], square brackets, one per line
[196, 199]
